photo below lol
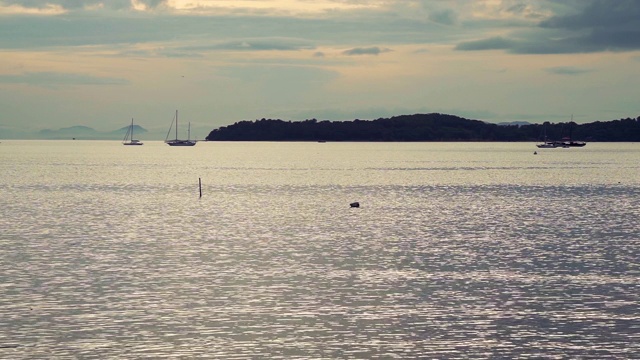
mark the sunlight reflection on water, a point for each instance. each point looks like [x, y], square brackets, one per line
[453, 254]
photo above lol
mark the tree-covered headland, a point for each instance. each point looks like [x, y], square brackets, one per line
[423, 127]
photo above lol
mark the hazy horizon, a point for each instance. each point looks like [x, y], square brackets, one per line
[77, 130]
[98, 63]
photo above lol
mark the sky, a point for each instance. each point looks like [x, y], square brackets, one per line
[101, 63]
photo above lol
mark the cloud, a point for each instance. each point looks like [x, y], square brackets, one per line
[75, 30]
[73, 5]
[52, 79]
[602, 25]
[587, 27]
[494, 43]
[260, 44]
[598, 14]
[445, 17]
[374, 50]
[82, 25]
[567, 70]
[17, 9]
[153, 3]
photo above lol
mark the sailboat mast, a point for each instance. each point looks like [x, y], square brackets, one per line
[176, 124]
[131, 129]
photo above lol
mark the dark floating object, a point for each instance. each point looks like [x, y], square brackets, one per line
[355, 204]
[535, 153]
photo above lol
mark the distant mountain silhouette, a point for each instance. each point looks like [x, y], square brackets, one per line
[137, 129]
[417, 127]
[422, 127]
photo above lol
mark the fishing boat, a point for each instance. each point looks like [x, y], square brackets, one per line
[128, 137]
[176, 141]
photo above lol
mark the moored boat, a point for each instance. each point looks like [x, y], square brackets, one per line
[176, 141]
[128, 137]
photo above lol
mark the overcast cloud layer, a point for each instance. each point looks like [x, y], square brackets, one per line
[100, 63]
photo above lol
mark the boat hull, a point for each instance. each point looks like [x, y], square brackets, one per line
[560, 144]
[181, 143]
[547, 146]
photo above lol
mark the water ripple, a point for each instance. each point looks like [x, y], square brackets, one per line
[116, 269]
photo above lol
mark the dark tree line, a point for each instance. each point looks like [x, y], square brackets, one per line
[423, 127]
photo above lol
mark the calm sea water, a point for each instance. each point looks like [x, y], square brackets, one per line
[458, 251]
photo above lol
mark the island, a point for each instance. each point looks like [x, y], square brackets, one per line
[424, 127]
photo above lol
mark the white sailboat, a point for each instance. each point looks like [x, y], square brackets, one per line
[128, 137]
[176, 141]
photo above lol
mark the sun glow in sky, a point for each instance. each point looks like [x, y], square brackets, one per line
[272, 6]
[99, 63]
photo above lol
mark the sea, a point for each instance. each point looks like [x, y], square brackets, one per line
[251, 250]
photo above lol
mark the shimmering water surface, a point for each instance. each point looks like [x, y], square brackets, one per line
[458, 251]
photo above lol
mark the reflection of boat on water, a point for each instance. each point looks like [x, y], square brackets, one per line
[176, 141]
[128, 137]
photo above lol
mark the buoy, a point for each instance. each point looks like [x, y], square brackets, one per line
[355, 204]
[535, 153]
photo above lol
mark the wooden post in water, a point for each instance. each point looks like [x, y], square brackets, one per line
[200, 186]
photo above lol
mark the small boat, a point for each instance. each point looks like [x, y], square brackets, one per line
[547, 144]
[572, 143]
[568, 141]
[128, 137]
[176, 141]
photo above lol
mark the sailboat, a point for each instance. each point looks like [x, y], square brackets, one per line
[128, 137]
[568, 141]
[176, 141]
[547, 144]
